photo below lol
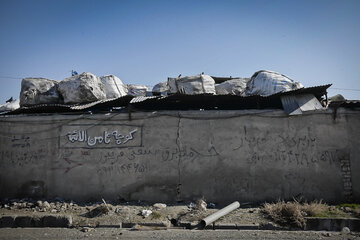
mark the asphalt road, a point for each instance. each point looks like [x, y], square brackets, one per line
[113, 233]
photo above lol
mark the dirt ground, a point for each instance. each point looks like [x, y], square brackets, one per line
[113, 233]
[100, 213]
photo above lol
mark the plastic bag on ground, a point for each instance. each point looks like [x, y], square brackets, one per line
[113, 86]
[137, 90]
[236, 86]
[82, 88]
[266, 83]
[10, 106]
[39, 91]
[192, 85]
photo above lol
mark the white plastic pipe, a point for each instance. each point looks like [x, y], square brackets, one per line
[222, 212]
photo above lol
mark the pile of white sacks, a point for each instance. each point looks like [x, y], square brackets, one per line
[87, 87]
[263, 83]
[82, 88]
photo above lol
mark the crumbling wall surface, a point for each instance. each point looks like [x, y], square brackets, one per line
[250, 156]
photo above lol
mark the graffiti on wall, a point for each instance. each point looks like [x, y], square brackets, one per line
[20, 141]
[100, 136]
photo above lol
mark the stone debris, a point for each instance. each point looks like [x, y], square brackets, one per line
[145, 213]
[86, 229]
[345, 230]
[159, 206]
[98, 211]
[326, 234]
[201, 205]
[46, 205]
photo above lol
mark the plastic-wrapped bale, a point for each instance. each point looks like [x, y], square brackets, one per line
[192, 85]
[10, 106]
[236, 86]
[160, 89]
[266, 83]
[39, 91]
[113, 86]
[82, 88]
[137, 90]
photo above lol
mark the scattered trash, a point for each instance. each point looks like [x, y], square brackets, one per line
[222, 212]
[73, 73]
[159, 206]
[211, 205]
[106, 205]
[345, 230]
[98, 211]
[86, 229]
[192, 205]
[201, 205]
[145, 213]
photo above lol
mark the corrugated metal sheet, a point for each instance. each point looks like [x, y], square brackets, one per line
[104, 104]
[41, 108]
[143, 98]
[178, 102]
[226, 102]
[299, 103]
[345, 104]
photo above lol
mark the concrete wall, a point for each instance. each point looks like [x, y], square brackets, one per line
[168, 156]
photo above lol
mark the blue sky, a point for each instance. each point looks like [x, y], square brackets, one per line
[314, 42]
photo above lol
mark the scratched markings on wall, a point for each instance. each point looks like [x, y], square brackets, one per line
[21, 141]
[100, 136]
